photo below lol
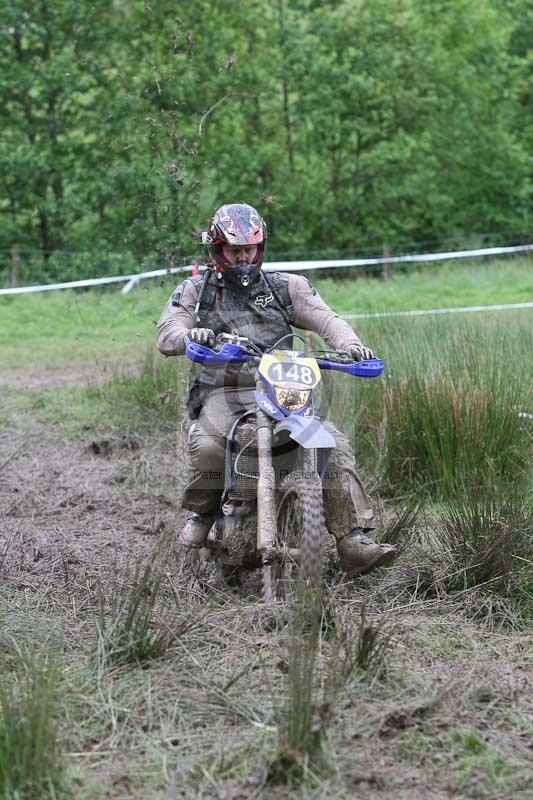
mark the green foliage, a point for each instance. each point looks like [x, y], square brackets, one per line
[125, 125]
[31, 764]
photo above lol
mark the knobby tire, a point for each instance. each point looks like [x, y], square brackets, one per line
[300, 524]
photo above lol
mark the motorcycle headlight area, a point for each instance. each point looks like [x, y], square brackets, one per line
[290, 398]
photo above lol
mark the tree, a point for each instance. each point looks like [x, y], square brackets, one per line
[349, 123]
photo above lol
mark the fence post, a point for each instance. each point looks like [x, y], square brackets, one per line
[386, 255]
[15, 264]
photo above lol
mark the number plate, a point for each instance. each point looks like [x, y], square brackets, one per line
[286, 368]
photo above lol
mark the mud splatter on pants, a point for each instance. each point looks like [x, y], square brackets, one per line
[346, 503]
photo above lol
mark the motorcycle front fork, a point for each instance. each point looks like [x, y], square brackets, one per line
[266, 486]
[266, 490]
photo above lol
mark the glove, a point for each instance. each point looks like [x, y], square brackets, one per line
[202, 336]
[360, 352]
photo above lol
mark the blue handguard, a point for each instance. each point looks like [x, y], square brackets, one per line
[370, 368]
[205, 355]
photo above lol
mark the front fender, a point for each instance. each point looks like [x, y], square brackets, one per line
[309, 432]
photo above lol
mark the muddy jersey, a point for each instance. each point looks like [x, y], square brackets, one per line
[263, 314]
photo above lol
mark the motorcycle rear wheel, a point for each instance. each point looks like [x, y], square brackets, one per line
[300, 528]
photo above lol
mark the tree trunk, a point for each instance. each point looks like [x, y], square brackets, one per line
[15, 265]
[285, 88]
[47, 244]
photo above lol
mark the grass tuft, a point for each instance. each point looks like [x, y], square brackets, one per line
[303, 751]
[478, 549]
[324, 653]
[31, 762]
[398, 525]
[487, 542]
[371, 647]
[131, 628]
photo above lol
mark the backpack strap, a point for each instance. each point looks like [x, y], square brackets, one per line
[177, 293]
[205, 294]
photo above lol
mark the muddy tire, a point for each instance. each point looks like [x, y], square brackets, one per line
[300, 529]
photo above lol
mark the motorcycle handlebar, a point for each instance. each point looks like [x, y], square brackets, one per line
[230, 351]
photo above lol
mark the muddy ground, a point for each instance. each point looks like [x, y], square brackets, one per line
[451, 716]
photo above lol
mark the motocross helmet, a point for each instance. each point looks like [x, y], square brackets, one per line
[236, 224]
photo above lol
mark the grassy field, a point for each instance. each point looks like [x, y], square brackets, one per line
[128, 672]
[435, 286]
[103, 326]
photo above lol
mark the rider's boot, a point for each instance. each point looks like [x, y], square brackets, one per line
[358, 553]
[196, 529]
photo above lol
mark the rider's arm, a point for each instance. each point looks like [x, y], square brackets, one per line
[176, 321]
[311, 313]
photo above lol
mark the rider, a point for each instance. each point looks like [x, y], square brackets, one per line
[234, 295]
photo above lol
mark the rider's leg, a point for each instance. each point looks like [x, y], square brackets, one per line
[346, 503]
[206, 449]
[206, 457]
[349, 515]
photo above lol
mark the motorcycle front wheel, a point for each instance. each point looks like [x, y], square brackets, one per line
[300, 527]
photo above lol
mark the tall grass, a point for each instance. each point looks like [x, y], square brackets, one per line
[31, 763]
[444, 431]
[160, 385]
[324, 651]
[449, 410]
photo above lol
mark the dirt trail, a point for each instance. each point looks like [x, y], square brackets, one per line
[75, 508]
[36, 376]
[451, 718]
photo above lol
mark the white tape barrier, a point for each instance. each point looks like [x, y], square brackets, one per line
[46, 287]
[275, 266]
[423, 312]
[300, 266]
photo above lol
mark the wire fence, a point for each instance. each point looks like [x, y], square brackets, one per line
[22, 267]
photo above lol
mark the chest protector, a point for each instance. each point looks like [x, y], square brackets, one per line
[262, 314]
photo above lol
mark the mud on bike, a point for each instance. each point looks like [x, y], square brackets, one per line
[272, 513]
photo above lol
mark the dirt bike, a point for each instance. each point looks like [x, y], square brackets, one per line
[272, 513]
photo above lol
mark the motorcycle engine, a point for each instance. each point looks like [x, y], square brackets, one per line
[245, 467]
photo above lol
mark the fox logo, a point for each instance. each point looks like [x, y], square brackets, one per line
[264, 299]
